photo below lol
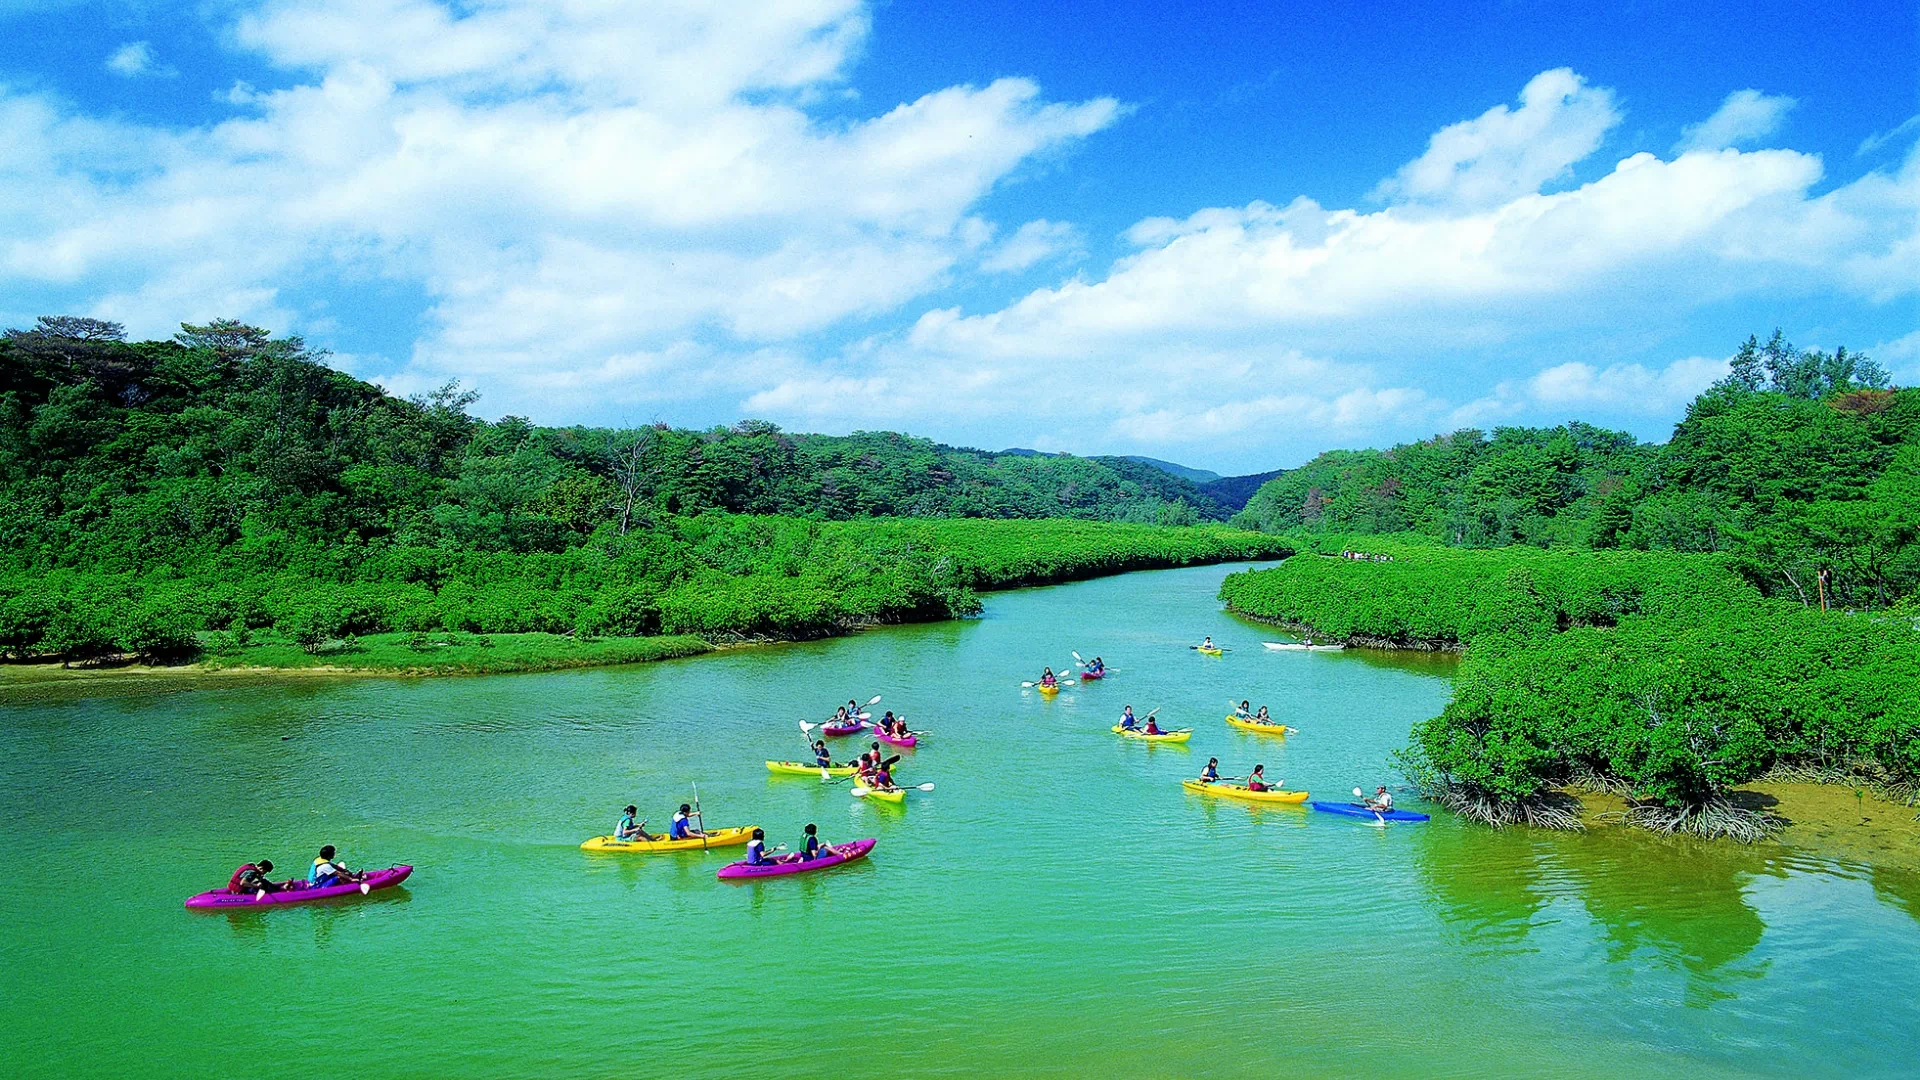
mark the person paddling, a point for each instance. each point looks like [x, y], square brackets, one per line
[1260, 717]
[1048, 678]
[629, 829]
[821, 755]
[1382, 800]
[1153, 727]
[1245, 711]
[329, 870]
[252, 878]
[1211, 773]
[1127, 722]
[1258, 780]
[811, 848]
[1099, 666]
[1208, 643]
[757, 848]
[682, 827]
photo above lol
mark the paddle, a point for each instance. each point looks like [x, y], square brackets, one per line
[862, 792]
[699, 821]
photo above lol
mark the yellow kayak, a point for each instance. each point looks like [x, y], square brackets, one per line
[714, 839]
[1245, 724]
[1204, 651]
[796, 768]
[898, 795]
[1235, 791]
[1045, 689]
[1165, 736]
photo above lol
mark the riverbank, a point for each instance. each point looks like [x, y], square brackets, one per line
[1828, 821]
[388, 655]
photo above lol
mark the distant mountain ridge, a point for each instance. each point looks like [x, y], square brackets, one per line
[1184, 472]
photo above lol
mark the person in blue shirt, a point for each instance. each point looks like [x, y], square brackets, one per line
[1098, 667]
[821, 755]
[682, 827]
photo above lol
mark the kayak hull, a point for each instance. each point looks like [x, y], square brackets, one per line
[841, 853]
[718, 838]
[798, 768]
[1208, 652]
[1235, 791]
[1047, 690]
[1355, 810]
[221, 898]
[1089, 676]
[1254, 725]
[1165, 736]
[898, 796]
[910, 740]
[843, 729]
[1300, 646]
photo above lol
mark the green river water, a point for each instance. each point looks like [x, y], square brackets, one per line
[1057, 907]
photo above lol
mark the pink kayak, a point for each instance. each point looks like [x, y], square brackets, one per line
[908, 740]
[1085, 675]
[836, 854]
[376, 879]
[853, 728]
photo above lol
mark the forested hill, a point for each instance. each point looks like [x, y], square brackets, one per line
[126, 454]
[1798, 463]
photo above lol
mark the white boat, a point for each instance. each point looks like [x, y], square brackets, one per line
[1301, 646]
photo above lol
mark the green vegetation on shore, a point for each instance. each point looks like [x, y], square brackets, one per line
[228, 481]
[1659, 676]
[446, 653]
[1803, 468]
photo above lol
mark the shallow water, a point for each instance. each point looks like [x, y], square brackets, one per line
[1105, 924]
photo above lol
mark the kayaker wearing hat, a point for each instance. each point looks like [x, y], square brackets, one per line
[1382, 799]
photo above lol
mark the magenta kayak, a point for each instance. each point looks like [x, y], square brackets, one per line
[221, 898]
[839, 853]
[843, 729]
[908, 740]
[1085, 675]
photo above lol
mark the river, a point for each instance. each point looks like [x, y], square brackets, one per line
[1056, 907]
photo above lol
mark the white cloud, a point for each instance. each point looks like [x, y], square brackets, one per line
[1033, 243]
[1504, 153]
[1745, 116]
[136, 58]
[1901, 358]
[568, 181]
[1879, 139]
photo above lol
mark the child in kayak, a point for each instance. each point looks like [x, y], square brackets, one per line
[629, 829]
[757, 849]
[810, 849]
[1261, 716]
[1098, 667]
[1048, 678]
[682, 826]
[328, 870]
[882, 779]
[1211, 774]
[1153, 728]
[1245, 711]
[1258, 781]
[1127, 722]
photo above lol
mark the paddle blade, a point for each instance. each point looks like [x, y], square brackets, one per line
[261, 895]
[926, 786]
[1360, 793]
[1026, 684]
[365, 888]
[875, 701]
[1076, 655]
[825, 776]
[859, 792]
[807, 729]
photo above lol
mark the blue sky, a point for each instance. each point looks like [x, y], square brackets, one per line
[1230, 235]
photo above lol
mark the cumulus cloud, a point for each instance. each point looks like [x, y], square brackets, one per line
[1745, 116]
[581, 189]
[1504, 153]
[1033, 243]
[136, 58]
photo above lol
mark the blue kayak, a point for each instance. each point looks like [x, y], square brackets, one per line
[1356, 810]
